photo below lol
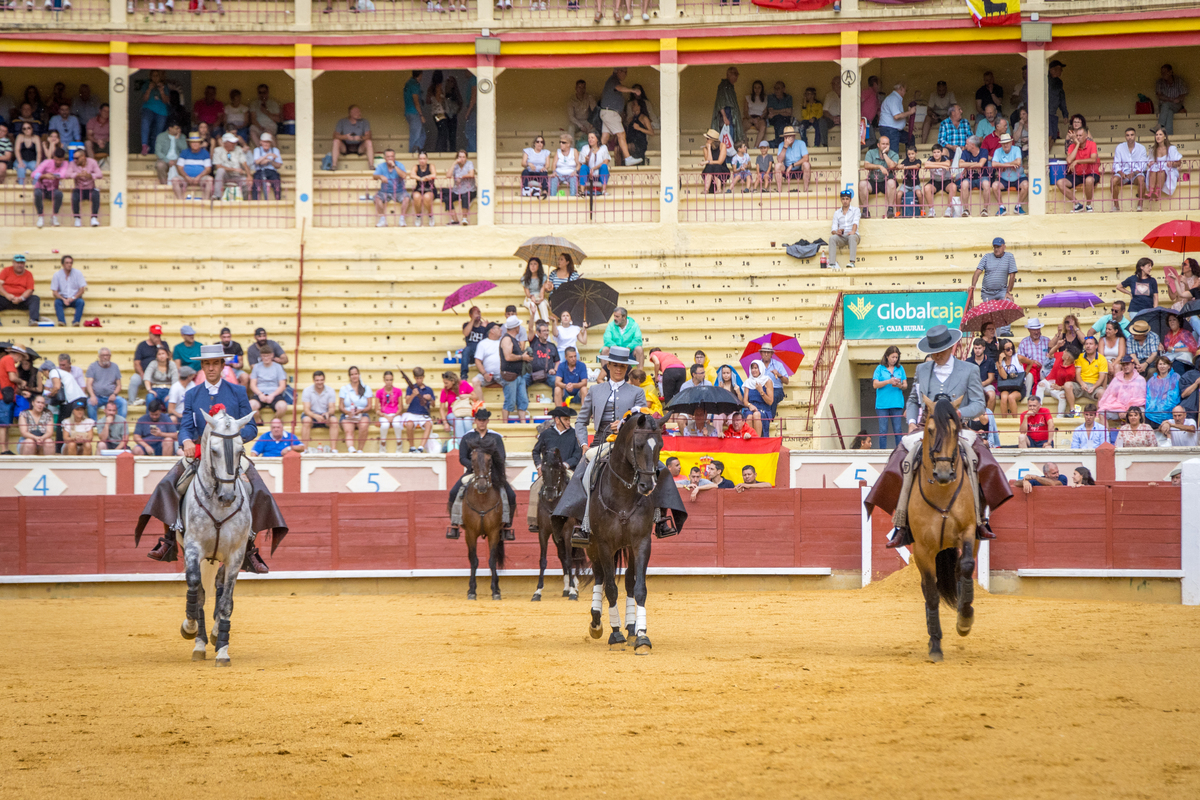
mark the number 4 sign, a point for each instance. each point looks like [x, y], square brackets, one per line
[40, 483]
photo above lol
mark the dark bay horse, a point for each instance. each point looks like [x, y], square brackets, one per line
[483, 516]
[941, 514]
[555, 478]
[622, 518]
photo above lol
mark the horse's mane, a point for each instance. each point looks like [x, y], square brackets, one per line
[627, 430]
[946, 422]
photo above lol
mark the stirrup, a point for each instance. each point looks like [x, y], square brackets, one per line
[901, 537]
[253, 562]
[664, 528]
[533, 528]
[452, 531]
[165, 550]
[984, 531]
[580, 537]
[507, 533]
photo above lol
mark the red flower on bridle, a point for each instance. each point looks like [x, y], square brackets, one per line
[217, 409]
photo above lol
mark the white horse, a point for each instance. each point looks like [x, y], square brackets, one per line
[216, 517]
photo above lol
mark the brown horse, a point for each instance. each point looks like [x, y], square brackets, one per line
[483, 516]
[941, 515]
[555, 478]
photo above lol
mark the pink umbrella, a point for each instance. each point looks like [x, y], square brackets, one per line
[997, 312]
[466, 293]
[788, 353]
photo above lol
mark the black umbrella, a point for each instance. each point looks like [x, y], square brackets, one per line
[1157, 319]
[712, 399]
[588, 301]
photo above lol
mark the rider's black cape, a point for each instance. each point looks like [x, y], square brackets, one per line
[666, 495]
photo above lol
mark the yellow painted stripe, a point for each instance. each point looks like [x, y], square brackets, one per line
[578, 48]
[214, 50]
[65, 48]
[368, 50]
[1007, 33]
[1134, 26]
[734, 43]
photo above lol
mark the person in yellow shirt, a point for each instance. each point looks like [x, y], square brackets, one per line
[1091, 372]
[811, 116]
[640, 379]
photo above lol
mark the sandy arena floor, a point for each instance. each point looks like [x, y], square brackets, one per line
[800, 694]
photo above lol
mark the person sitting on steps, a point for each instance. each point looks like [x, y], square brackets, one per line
[941, 376]
[466, 446]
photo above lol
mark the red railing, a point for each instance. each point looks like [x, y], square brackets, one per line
[624, 197]
[351, 203]
[578, 12]
[151, 205]
[391, 13]
[17, 209]
[968, 198]
[1183, 196]
[823, 365]
[60, 13]
[732, 197]
[223, 15]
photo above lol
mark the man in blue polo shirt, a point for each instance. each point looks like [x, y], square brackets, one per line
[193, 170]
[1009, 175]
[275, 442]
[571, 380]
[791, 161]
[391, 176]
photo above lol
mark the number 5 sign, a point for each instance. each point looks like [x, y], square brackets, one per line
[372, 479]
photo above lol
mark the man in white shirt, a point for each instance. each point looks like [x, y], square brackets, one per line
[844, 231]
[831, 106]
[487, 357]
[178, 389]
[1090, 434]
[1129, 167]
[1178, 431]
[893, 117]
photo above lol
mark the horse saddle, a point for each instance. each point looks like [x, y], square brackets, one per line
[189, 473]
[598, 467]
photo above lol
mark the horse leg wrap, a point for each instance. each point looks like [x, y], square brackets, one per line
[223, 633]
[909, 468]
[193, 604]
[933, 622]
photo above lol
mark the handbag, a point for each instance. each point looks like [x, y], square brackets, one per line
[8, 395]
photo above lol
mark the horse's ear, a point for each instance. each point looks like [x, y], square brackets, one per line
[207, 418]
[928, 405]
[957, 401]
[241, 423]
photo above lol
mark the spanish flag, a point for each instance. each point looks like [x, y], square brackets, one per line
[762, 454]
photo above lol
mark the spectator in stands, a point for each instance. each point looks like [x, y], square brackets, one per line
[894, 116]
[764, 167]
[144, 355]
[1059, 382]
[1164, 167]
[1141, 287]
[697, 483]
[594, 160]
[475, 330]
[61, 390]
[1171, 92]
[68, 286]
[265, 115]
[155, 433]
[937, 109]
[791, 160]
[238, 114]
[1009, 177]
[716, 170]
[1037, 424]
[193, 168]
[187, 352]
[268, 386]
[1177, 336]
[64, 363]
[987, 370]
[9, 384]
[1117, 315]
[168, 146]
[392, 176]
[669, 372]
[565, 163]
[16, 289]
[7, 155]
[624, 332]
[1143, 346]
[276, 441]
[730, 381]
[870, 99]
[535, 285]
[738, 428]
[414, 113]
[1010, 379]
[356, 401]
[232, 167]
[487, 356]
[1130, 162]
[566, 333]
[544, 364]
[987, 123]
[1178, 430]
[612, 102]
[676, 470]
[1057, 97]
[890, 384]
[534, 169]
[209, 109]
[760, 396]
[1090, 434]
[424, 189]
[999, 271]
[352, 136]
[937, 167]
[640, 128]
[1033, 351]
[319, 404]
[727, 99]
[991, 93]
[103, 384]
[388, 400]
[699, 425]
[1135, 432]
[1162, 391]
[715, 472]
[36, 425]
[755, 111]
[261, 344]
[462, 192]
[1125, 390]
[420, 400]
[65, 125]
[84, 171]
[513, 358]
[844, 231]
[1050, 477]
[77, 430]
[570, 379]
[976, 174]
[175, 395]
[696, 377]
[812, 117]
[1083, 169]
[267, 161]
[750, 480]
[779, 111]
[46, 179]
[1091, 371]
[155, 108]
[909, 195]
[579, 111]
[879, 162]
[954, 131]
[28, 148]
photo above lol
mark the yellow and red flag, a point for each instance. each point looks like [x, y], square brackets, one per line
[988, 13]
[762, 454]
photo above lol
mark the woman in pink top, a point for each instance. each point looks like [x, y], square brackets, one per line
[1126, 390]
[45, 185]
[390, 399]
[669, 372]
[457, 402]
[84, 172]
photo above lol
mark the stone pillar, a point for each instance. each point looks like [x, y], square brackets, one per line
[668, 109]
[1039, 126]
[850, 146]
[485, 155]
[303, 77]
[118, 131]
[303, 17]
[117, 16]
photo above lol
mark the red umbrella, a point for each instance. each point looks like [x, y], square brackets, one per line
[787, 351]
[998, 312]
[1178, 236]
[469, 292]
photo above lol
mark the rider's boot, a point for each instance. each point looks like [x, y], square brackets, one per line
[666, 526]
[253, 562]
[507, 534]
[166, 549]
[900, 536]
[580, 537]
[984, 531]
[453, 531]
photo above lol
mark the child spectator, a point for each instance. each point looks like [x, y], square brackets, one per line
[420, 399]
[741, 168]
[764, 165]
[638, 378]
[389, 398]
[937, 167]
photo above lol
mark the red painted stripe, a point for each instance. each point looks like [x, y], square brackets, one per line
[583, 60]
[228, 64]
[940, 49]
[762, 56]
[1127, 42]
[51, 60]
[392, 63]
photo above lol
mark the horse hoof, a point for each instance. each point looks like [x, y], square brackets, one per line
[183, 631]
[616, 640]
[566, 593]
[936, 657]
[470, 595]
[574, 597]
[962, 629]
[222, 662]
[198, 655]
[595, 631]
[537, 598]
[630, 633]
[496, 596]
[641, 645]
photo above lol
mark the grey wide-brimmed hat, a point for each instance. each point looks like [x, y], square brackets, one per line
[619, 355]
[211, 352]
[939, 338]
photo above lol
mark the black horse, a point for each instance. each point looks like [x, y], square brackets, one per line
[555, 477]
[483, 516]
[622, 518]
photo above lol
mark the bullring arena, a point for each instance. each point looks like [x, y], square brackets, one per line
[791, 655]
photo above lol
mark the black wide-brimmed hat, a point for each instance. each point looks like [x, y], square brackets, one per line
[938, 338]
[483, 413]
[562, 411]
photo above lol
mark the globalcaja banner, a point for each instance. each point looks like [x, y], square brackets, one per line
[903, 315]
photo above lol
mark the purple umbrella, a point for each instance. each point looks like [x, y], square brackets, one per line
[469, 292]
[1072, 298]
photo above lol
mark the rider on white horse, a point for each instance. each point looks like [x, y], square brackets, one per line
[210, 396]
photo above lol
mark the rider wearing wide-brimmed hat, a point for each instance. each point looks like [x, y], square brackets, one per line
[491, 442]
[166, 501]
[560, 436]
[940, 376]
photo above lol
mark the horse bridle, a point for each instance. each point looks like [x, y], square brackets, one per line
[953, 459]
[467, 495]
[623, 514]
[237, 473]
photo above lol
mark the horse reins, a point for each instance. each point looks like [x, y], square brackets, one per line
[466, 500]
[237, 473]
[623, 515]
[945, 512]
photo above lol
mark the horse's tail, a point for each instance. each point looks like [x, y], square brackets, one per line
[947, 576]
[500, 553]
